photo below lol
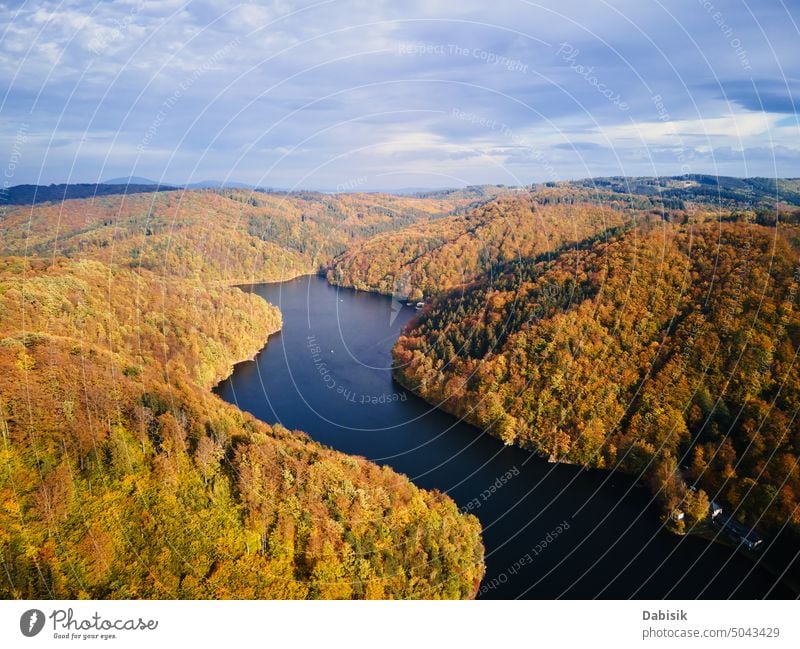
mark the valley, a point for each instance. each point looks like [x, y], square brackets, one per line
[643, 343]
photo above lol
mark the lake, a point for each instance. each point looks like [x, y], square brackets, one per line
[550, 530]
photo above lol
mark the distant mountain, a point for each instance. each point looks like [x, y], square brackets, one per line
[469, 191]
[202, 184]
[406, 191]
[726, 191]
[32, 194]
[670, 192]
[220, 184]
[133, 180]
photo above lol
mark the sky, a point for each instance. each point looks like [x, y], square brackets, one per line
[366, 95]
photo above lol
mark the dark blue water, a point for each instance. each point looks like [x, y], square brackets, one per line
[550, 531]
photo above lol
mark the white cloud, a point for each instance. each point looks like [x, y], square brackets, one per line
[738, 125]
[129, 56]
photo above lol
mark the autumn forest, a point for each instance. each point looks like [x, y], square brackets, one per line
[648, 327]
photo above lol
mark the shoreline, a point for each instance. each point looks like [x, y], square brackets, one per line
[476, 586]
[703, 530]
[232, 366]
[238, 283]
[249, 359]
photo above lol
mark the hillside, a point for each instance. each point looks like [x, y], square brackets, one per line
[225, 235]
[720, 191]
[425, 259]
[666, 346]
[639, 331]
[32, 194]
[122, 476]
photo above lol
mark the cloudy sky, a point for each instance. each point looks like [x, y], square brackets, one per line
[370, 94]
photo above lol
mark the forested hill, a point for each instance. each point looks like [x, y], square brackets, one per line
[33, 194]
[225, 235]
[425, 259]
[122, 476]
[650, 332]
[667, 346]
[763, 194]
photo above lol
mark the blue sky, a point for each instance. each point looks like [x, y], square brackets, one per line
[367, 95]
